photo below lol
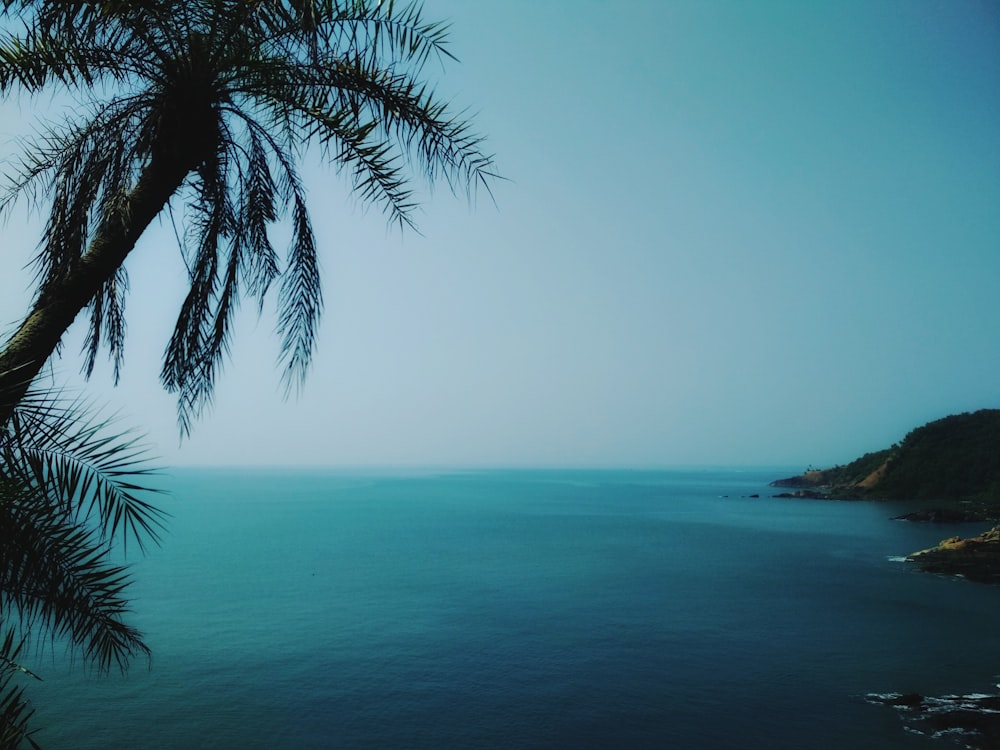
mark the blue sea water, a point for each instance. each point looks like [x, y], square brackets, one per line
[525, 609]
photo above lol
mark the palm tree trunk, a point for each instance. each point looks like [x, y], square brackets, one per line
[60, 301]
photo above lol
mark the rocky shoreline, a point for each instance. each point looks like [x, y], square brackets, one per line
[974, 558]
[971, 721]
[947, 472]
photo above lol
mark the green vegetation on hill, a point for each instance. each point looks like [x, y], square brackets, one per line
[955, 458]
[856, 472]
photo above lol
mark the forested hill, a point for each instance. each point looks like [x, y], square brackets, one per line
[955, 458]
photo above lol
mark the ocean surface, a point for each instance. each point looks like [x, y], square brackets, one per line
[525, 609]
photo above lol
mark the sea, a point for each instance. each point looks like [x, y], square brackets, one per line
[500, 609]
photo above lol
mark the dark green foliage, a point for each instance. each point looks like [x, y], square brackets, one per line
[15, 711]
[72, 489]
[857, 470]
[950, 459]
[957, 457]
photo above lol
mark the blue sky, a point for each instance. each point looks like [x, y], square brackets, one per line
[732, 234]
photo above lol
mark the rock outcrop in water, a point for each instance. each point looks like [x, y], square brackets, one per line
[942, 515]
[951, 466]
[971, 721]
[976, 558]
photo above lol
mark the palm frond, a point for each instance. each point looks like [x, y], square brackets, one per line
[72, 489]
[76, 459]
[237, 92]
[257, 211]
[86, 176]
[15, 710]
[301, 300]
[107, 317]
[56, 577]
[381, 29]
[374, 166]
[35, 60]
[193, 352]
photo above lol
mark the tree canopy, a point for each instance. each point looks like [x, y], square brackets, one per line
[215, 103]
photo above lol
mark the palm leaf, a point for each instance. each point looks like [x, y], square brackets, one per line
[238, 91]
[15, 710]
[70, 488]
[56, 447]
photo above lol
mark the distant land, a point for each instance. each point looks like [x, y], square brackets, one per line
[951, 466]
[951, 460]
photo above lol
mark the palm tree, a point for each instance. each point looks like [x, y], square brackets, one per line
[71, 491]
[215, 102]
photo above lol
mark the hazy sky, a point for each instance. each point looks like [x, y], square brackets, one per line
[734, 233]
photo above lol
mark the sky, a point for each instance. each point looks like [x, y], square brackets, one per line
[729, 234]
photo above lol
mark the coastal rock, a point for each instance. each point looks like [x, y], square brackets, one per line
[804, 494]
[976, 558]
[971, 721]
[942, 515]
[809, 479]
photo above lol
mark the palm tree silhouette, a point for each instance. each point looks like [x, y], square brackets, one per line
[216, 102]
